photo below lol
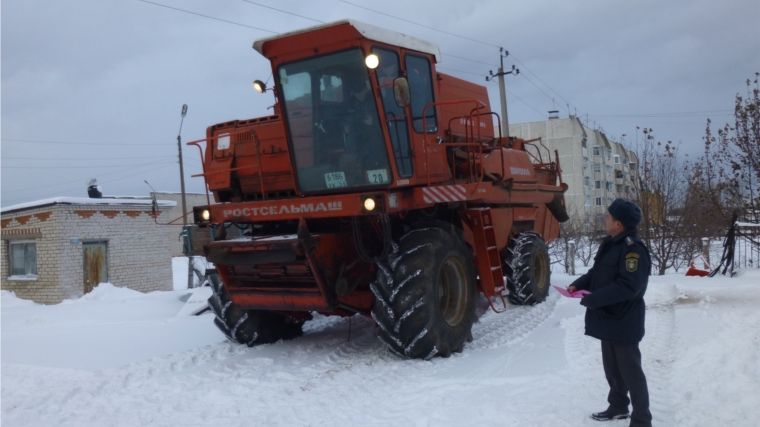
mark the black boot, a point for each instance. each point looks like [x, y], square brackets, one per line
[610, 415]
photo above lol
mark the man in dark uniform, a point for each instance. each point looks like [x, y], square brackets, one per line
[615, 312]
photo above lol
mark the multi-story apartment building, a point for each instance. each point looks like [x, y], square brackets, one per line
[596, 169]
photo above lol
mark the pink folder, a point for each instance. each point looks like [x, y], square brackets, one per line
[576, 294]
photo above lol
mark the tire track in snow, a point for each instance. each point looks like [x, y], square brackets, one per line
[498, 329]
[657, 357]
[261, 383]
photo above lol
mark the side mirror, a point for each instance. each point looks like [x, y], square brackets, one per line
[401, 92]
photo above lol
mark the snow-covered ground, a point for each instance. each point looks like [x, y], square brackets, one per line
[120, 358]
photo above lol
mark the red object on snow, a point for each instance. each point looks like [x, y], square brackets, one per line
[694, 271]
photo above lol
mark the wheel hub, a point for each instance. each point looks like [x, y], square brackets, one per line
[542, 268]
[452, 291]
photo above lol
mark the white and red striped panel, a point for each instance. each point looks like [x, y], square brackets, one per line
[444, 194]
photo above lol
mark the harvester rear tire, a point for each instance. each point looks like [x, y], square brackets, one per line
[249, 327]
[527, 269]
[425, 295]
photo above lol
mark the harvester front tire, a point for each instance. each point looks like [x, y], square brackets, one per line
[425, 295]
[249, 327]
[527, 269]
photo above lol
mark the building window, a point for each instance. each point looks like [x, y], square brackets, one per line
[23, 259]
[608, 153]
[583, 142]
[597, 150]
[585, 160]
[608, 168]
[600, 217]
[599, 201]
[617, 159]
[609, 185]
[587, 202]
[597, 167]
[588, 219]
[586, 181]
[598, 185]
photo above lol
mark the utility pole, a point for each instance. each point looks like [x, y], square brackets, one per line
[181, 169]
[502, 90]
[186, 230]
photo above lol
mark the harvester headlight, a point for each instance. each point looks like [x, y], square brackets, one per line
[372, 61]
[369, 204]
[260, 86]
[202, 215]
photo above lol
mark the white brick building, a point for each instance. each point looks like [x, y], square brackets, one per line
[61, 248]
[175, 213]
[595, 169]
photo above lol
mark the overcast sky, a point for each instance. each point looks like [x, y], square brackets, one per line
[102, 83]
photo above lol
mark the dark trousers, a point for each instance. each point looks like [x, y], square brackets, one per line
[622, 367]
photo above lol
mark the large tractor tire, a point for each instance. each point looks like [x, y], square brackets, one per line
[249, 327]
[527, 269]
[425, 295]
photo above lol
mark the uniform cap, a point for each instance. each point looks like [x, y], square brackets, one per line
[626, 212]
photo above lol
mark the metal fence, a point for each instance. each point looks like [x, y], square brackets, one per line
[747, 250]
[741, 247]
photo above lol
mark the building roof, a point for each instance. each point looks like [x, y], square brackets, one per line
[369, 31]
[86, 201]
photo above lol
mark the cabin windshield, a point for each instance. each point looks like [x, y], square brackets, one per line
[333, 122]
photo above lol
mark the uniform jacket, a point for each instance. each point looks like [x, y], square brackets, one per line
[617, 282]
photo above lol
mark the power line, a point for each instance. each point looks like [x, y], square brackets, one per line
[207, 16]
[531, 82]
[482, 75]
[532, 107]
[285, 11]
[545, 84]
[83, 179]
[671, 114]
[461, 71]
[468, 59]
[418, 24]
[86, 158]
[104, 182]
[400, 19]
[78, 167]
[79, 143]
[465, 38]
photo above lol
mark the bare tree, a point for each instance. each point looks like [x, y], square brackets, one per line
[729, 174]
[579, 233]
[662, 196]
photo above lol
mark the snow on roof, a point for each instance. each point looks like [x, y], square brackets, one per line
[369, 31]
[746, 224]
[86, 201]
[178, 193]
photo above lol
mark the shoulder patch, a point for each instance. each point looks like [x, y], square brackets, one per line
[629, 240]
[631, 264]
[632, 255]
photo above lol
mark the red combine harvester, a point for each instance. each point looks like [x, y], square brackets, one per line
[376, 187]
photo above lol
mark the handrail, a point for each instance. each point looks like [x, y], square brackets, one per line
[477, 103]
[203, 166]
[255, 136]
[539, 159]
